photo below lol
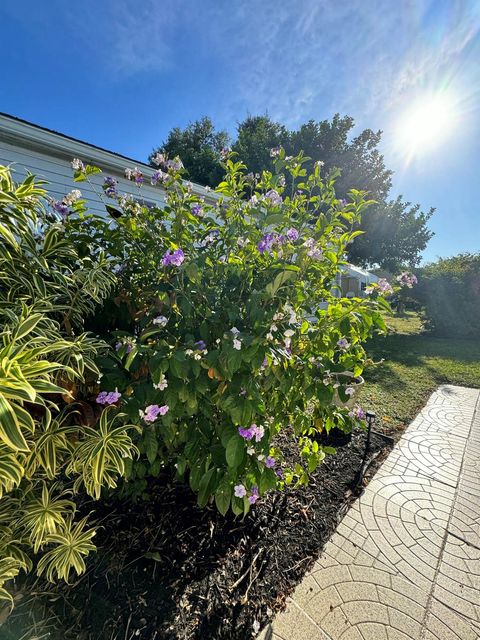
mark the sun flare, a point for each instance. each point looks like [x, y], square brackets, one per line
[426, 124]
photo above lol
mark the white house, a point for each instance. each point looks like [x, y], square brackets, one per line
[27, 147]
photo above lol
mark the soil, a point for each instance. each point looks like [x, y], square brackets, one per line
[167, 570]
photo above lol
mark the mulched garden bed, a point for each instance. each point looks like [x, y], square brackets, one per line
[167, 570]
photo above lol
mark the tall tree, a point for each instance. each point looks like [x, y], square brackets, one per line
[256, 135]
[395, 234]
[199, 146]
[396, 231]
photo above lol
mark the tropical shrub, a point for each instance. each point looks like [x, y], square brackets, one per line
[449, 289]
[49, 447]
[225, 327]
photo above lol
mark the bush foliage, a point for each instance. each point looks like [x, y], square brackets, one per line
[217, 327]
[450, 291]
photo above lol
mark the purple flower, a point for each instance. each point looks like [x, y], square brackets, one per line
[176, 258]
[274, 197]
[357, 412]
[349, 391]
[407, 279]
[292, 235]
[110, 181]
[239, 491]
[197, 210]
[266, 243]
[60, 207]
[176, 164]
[201, 344]
[108, 397]
[158, 176]
[152, 412]
[343, 343]
[243, 391]
[269, 462]
[384, 286]
[342, 202]
[247, 433]
[279, 473]
[254, 496]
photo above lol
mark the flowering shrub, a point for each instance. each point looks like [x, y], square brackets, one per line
[219, 338]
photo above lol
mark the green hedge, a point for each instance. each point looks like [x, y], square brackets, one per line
[450, 291]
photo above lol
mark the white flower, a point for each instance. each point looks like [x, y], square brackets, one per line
[77, 165]
[278, 316]
[197, 356]
[162, 384]
[273, 327]
[234, 331]
[261, 457]
[158, 159]
[242, 242]
[270, 336]
[161, 321]
[250, 451]
[217, 341]
[288, 343]
[188, 352]
[289, 333]
[72, 197]
[237, 344]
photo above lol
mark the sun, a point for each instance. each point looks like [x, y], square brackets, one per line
[426, 124]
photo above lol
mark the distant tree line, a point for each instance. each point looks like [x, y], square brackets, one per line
[396, 231]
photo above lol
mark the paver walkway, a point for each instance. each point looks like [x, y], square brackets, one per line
[404, 563]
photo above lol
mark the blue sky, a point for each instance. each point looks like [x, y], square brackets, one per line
[121, 74]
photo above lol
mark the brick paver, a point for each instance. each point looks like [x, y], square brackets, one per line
[404, 563]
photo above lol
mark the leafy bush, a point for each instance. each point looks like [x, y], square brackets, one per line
[47, 365]
[226, 327]
[450, 291]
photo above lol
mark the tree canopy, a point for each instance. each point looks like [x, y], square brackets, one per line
[396, 231]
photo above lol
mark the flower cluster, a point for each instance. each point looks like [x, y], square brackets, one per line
[108, 397]
[357, 412]
[407, 279]
[173, 258]
[134, 174]
[253, 431]
[77, 165]
[152, 412]
[162, 384]
[382, 286]
[313, 250]
[273, 197]
[110, 187]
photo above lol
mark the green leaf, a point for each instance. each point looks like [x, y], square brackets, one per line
[235, 451]
[206, 486]
[28, 325]
[150, 443]
[223, 495]
[10, 431]
[279, 281]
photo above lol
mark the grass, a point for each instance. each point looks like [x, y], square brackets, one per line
[416, 363]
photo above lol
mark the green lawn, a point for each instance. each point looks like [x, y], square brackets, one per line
[415, 364]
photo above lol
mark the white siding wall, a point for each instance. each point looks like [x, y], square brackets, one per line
[58, 172]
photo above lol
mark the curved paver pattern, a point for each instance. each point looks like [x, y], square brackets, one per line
[404, 563]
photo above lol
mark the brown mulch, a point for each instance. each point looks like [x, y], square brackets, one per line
[167, 570]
